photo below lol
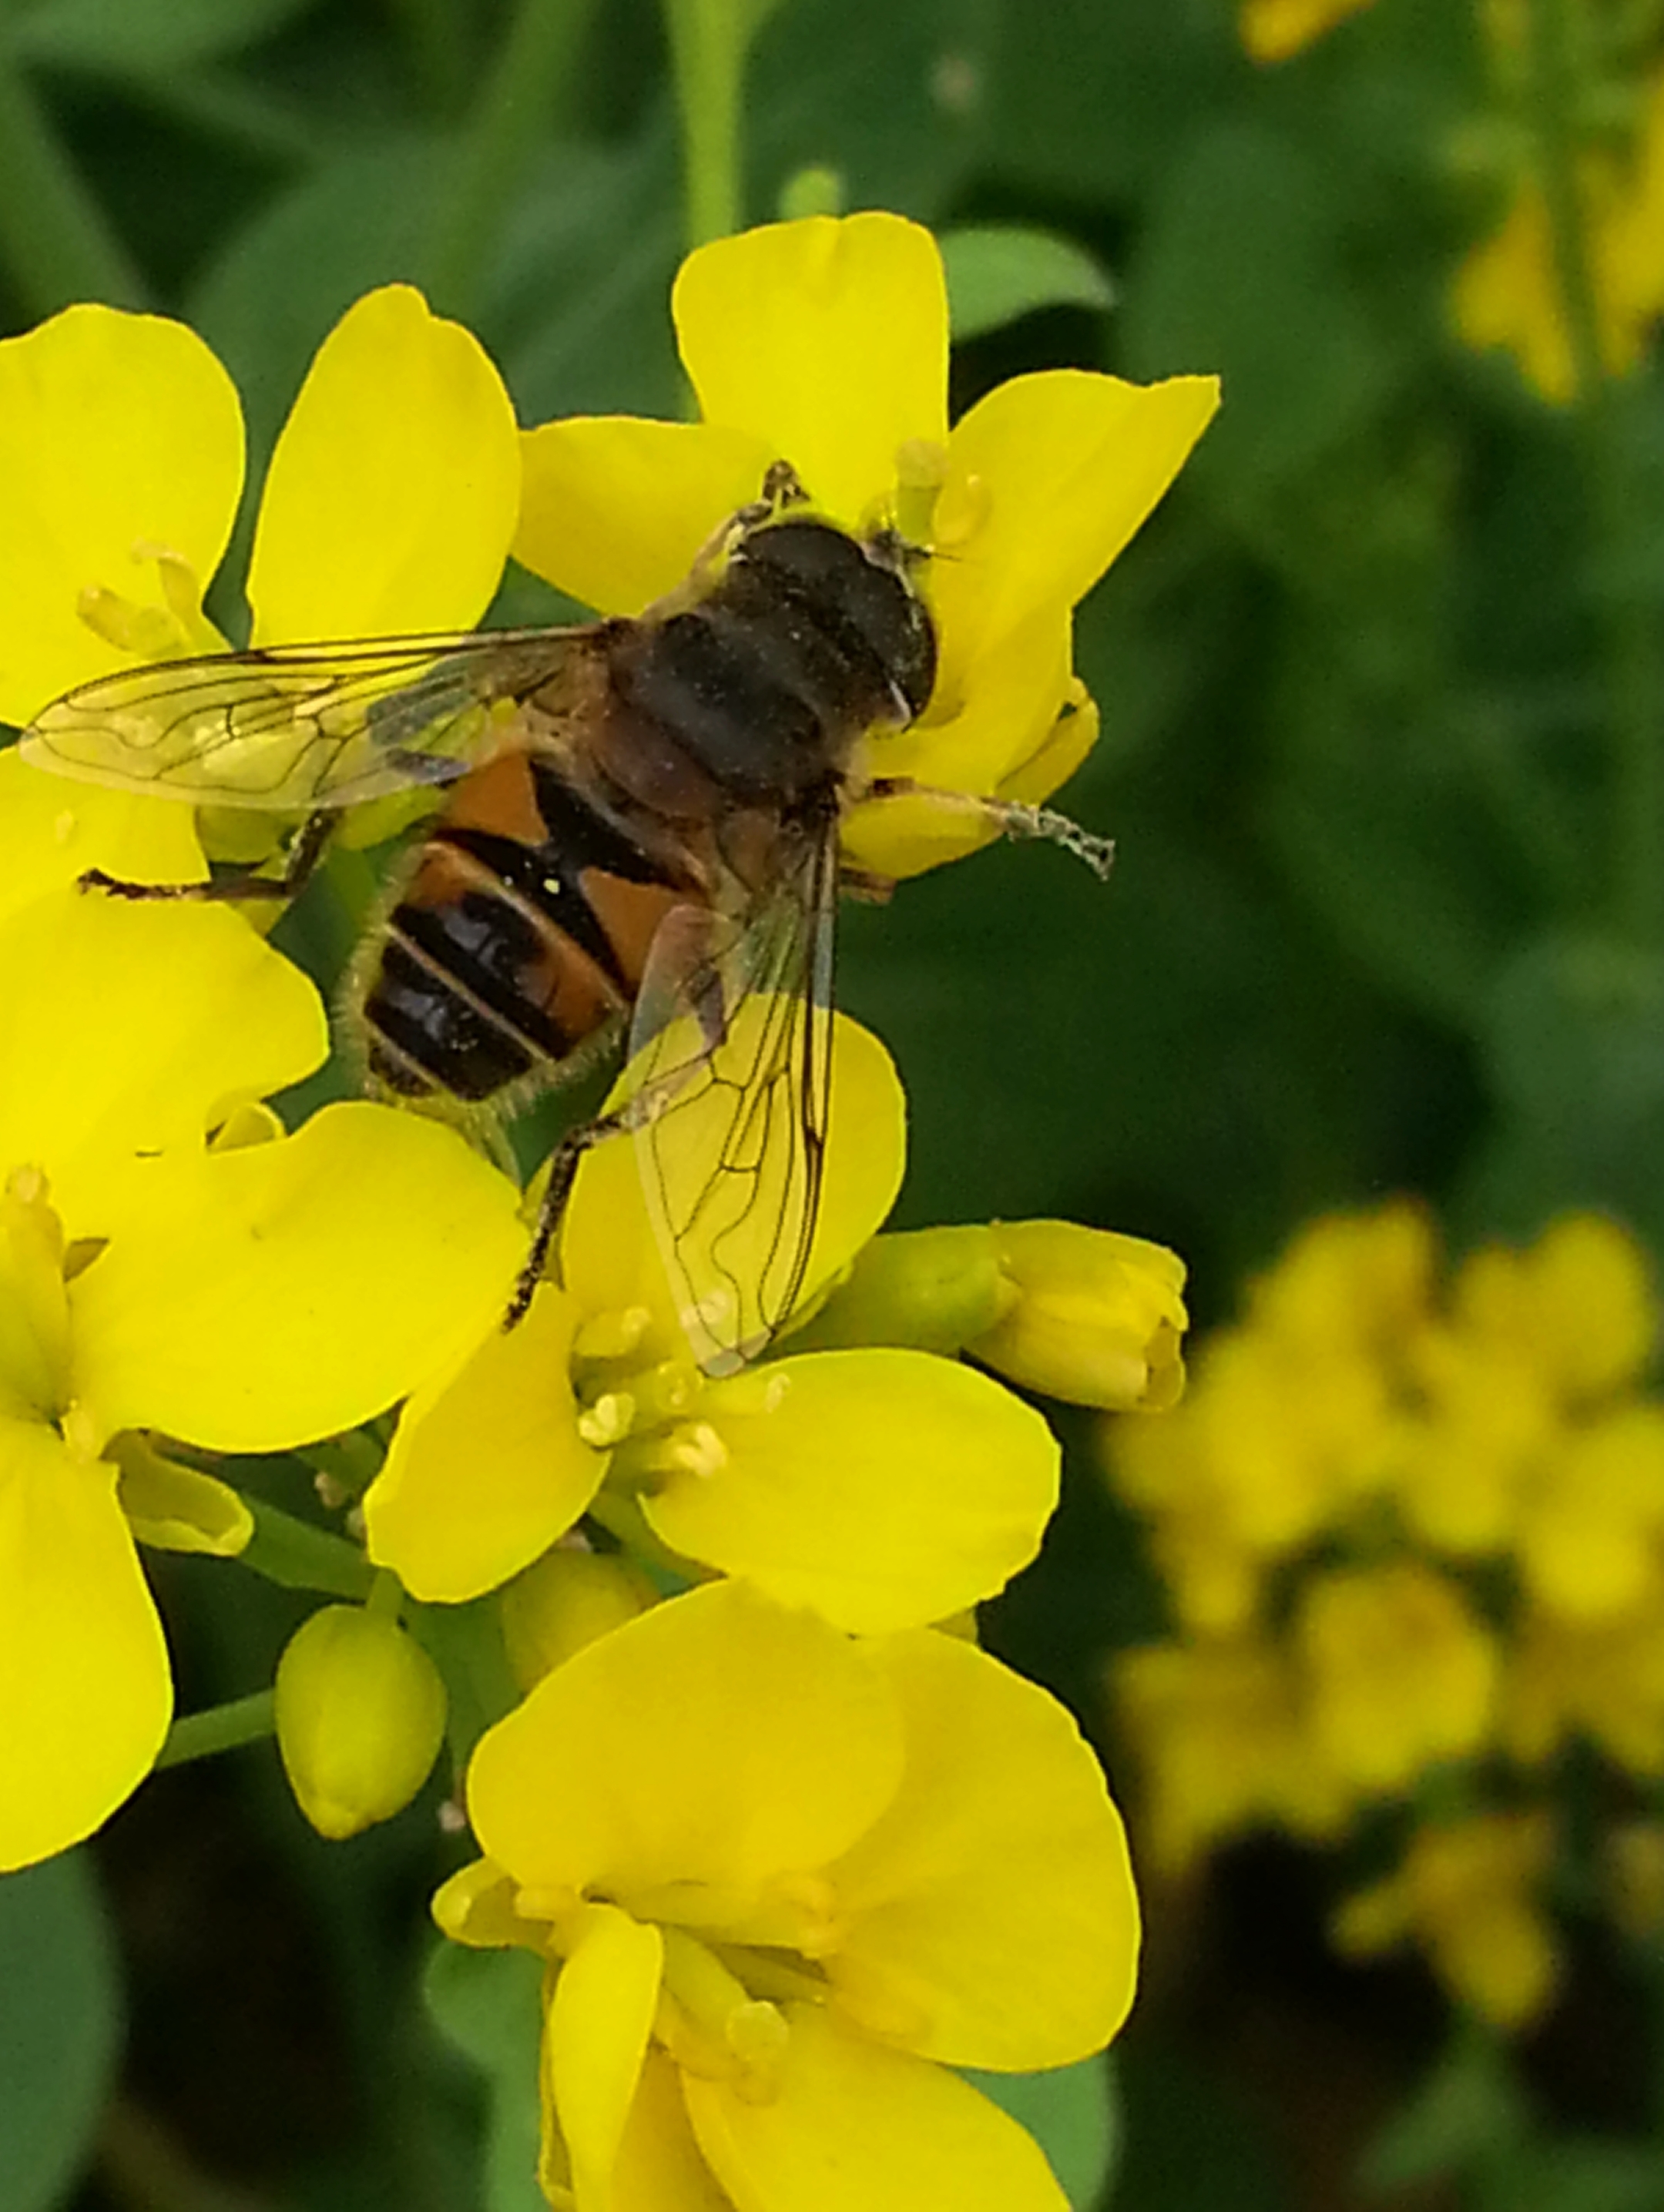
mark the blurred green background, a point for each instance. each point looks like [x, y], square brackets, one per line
[1378, 749]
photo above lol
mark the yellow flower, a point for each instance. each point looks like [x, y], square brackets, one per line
[1603, 1681]
[1468, 1893]
[1221, 1735]
[389, 505]
[1400, 1672]
[824, 343]
[1273, 29]
[784, 1881]
[1507, 292]
[244, 1296]
[884, 1487]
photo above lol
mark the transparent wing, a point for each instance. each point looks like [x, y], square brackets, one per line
[731, 1062]
[293, 727]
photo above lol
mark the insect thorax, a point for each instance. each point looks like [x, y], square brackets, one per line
[759, 691]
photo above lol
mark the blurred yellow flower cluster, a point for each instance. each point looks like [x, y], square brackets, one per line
[789, 1847]
[1605, 86]
[1413, 1539]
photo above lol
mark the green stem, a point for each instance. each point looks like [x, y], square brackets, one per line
[519, 103]
[221, 1728]
[55, 245]
[1634, 672]
[709, 41]
[300, 1557]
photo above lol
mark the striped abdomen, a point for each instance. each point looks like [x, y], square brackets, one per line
[523, 930]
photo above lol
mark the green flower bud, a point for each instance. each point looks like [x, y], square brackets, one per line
[930, 1290]
[361, 1714]
[1095, 1319]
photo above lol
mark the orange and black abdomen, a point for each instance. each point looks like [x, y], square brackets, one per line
[522, 933]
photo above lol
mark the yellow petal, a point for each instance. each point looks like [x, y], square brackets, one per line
[717, 1740]
[566, 1599]
[85, 1695]
[178, 1509]
[394, 488]
[883, 1488]
[826, 339]
[51, 831]
[486, 1467]
[119, 435]
[858, 2128]
[989, 1914]
[594, 2040]
[476, 1907]
[1048, 478]
[252, 1300]
[615, 508]
[134, 1024]
[660, 2168]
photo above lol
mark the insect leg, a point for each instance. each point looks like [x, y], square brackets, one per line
[1009, 817]
[563, 1169]
[299, 867]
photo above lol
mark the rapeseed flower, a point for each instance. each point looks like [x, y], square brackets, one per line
[824, 342]
[884, 1487]
[1507, 292]
[1413, 1537]
[389, 507]
[169, 1261]
[783, 1882]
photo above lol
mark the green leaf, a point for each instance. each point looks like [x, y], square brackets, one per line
[134, 37]
[999, 271]
[1241, 272]
[488, 2005]
[895, 99]
[1574, 1046]
[60, 2028]
[1468, 2109]
[1073, 2113]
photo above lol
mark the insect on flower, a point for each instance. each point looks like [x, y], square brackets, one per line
[641, 830]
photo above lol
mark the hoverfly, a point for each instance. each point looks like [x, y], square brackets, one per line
[639, 830]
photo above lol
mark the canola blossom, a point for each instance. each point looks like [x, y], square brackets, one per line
[824, 342]
[172, 1263]
[1406, 1534]
[1507, 293]
[884, 1486]
[389, 504]
[784, 1882]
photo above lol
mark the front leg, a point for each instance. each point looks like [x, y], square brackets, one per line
[300, 866]
[1008, 817]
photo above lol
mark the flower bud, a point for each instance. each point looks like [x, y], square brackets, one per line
[930, 1290]
[563, 1601]
[1093, 1318]
[361, 1714]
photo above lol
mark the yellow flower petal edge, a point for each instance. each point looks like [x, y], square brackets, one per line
[884, 1488]
[120, 437]
[595, 2041]
[85, 1695]
[858, 2128]
[616, 508]
[624, 1770]
[993, 1900]
[394, 488]
[139, 1026]
[255, 1299]
[486, 1467]
[827, 339]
